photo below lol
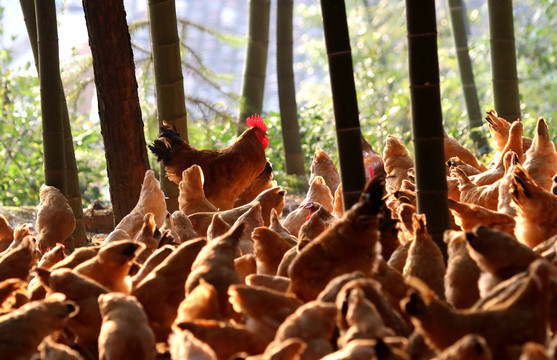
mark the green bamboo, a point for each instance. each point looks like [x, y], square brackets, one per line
[255, 63]
[293, 154]
[475, 115]
[28, 10]
[79, 236]
[169, 80]
[427, 118]
[119, 109]
[345, 102]
[504, 75]
[51, 111]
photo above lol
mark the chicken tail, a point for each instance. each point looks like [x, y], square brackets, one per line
[167, 140]
[521, 183]
[371, 201]
[267, 170]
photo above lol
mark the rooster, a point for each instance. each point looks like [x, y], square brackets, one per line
[227, 171]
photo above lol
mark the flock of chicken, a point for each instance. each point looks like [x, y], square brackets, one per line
[316, 283]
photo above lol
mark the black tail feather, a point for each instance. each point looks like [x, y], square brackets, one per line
[372, 196]
[162, 147]
[161, 150]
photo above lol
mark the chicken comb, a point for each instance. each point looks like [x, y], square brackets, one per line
[256, 120]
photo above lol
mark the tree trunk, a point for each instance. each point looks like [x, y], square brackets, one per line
[503, 59]
[119, 111]
[345, 102]
[293, 154]
[79, 237]
[458, 21]
[51, 111]
[255, 63]
[427, 118]
[169, 81]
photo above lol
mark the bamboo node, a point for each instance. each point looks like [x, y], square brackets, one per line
[167, 45]
[504, 80]
[172, 121]
[343, 52]
[158, 3]
[502, 40]
[352, 192]
[172, 83]
[427, 84]
[348, 129]
[426, 34]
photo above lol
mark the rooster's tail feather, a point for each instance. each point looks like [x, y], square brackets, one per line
[166, 141]
[372, 197]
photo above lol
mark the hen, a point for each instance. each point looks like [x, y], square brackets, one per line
[269, 199]
[535, 208]
[541, 157]
[499, 129]
[485, 195]
[373, 161]
[165, 285]
[467, 216]
[55, 219]
[314, 323]
[362, 319]
[110, 267]
[498, 255]
[227, 171]
[6, 233]
[23, 330]
[454, 148]
[224, 338]
[151, 200]
[192, 198]
[350, 244]
[215, 265]
[462, 273]
[125, 331]
[264, 309]
[397, 161]
[522, 318]
[425, 260]
[86, 324]
[322, 165]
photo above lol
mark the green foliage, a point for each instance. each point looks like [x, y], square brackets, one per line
[379, 52]
[21, 168]
[91, 164]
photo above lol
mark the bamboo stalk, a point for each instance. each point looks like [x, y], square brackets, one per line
[169, 80]
[504, 75]
[458, 21]
[255, 63]
[79, 236]
[294, 156]
[427, 118]
[51, 111]
[345, 102]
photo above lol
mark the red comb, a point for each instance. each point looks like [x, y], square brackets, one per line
[256, 120]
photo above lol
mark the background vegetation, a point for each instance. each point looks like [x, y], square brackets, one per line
[378, 38]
